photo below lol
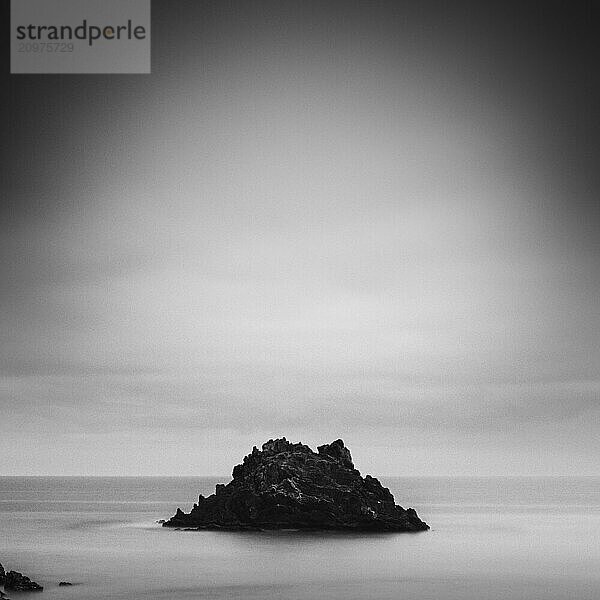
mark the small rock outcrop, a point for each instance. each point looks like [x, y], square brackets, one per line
[17, 582]
[288, 486]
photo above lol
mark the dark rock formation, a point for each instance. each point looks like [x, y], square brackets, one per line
[289, 486]
[17, 582]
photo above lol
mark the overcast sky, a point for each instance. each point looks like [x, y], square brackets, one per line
[375, 221]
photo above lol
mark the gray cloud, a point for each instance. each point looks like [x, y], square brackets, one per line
[313, 224]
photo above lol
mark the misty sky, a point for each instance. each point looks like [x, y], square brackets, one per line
[375, 221]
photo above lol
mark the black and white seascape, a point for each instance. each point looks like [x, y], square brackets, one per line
[312, 311]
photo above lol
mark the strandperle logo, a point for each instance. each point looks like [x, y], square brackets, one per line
[80, 36]
[91, 33]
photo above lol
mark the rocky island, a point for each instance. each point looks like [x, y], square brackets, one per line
[15, 581]
[289, 486]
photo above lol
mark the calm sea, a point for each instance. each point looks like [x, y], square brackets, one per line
[490, 538]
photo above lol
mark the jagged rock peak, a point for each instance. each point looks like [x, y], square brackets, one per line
[282, 445]
[338, 451]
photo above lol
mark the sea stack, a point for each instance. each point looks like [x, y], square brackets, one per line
[288, 486]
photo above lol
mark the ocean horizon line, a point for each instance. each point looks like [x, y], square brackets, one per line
[225, 476]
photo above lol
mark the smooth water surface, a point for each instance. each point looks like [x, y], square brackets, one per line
[490, 538]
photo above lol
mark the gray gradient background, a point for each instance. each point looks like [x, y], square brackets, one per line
[375, 221]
